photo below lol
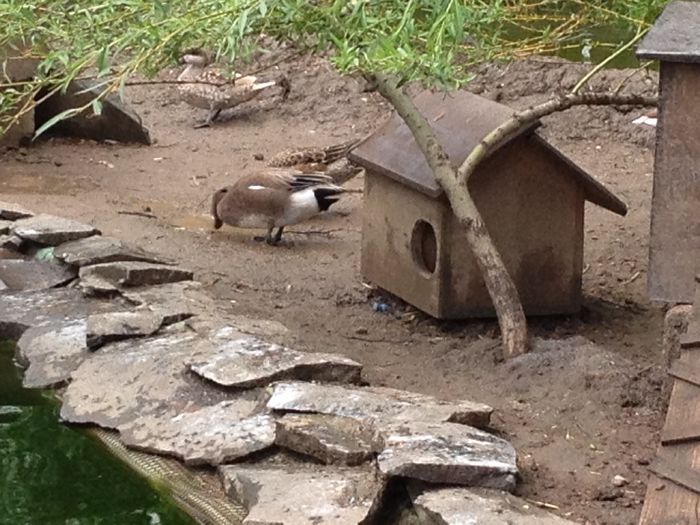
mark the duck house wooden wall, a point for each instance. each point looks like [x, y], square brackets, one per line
[414, 247]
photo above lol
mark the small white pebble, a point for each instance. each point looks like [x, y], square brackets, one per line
[619, 481]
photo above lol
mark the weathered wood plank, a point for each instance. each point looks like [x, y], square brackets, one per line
[686, 372]
[691, 339]
[674, 242]
[678, 473]
[687, 433]
[666, 502]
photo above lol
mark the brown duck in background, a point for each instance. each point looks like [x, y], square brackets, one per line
[331, 160]
[273, 198]
[212, 90]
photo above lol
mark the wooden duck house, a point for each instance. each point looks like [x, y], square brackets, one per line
[530, 195]
[674, 244]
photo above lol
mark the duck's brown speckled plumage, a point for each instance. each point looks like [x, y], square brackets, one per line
[211, 89]
[330, 160]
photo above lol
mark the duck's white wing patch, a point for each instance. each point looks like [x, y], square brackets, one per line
[302, 205]
[256, 187]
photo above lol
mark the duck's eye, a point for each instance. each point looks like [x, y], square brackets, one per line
[224, 191]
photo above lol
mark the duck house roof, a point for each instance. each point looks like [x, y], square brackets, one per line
[460, 121]
[675, 36]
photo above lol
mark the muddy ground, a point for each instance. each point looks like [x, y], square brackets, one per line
[579, 414]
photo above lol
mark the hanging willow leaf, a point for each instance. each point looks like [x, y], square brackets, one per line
[63, 115]
[416, 39]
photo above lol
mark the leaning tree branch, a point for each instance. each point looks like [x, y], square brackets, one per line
[499, 284]
[524, 118]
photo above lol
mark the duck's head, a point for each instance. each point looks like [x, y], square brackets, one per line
[195, 57]
[216, 198]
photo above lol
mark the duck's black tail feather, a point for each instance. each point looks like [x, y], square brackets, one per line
[327, 195]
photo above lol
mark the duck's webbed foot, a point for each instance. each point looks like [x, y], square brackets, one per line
[272, 240]
[277, 238]
[213, 114]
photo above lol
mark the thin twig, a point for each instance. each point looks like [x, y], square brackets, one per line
[158, 82]
[645, 65]
[543, 504]
[373, 339]
[326, 233]
[137, 213]
[640, 33]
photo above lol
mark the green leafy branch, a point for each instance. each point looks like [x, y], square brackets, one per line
[434, 41]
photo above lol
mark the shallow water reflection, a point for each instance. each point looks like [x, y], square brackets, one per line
[54, 474]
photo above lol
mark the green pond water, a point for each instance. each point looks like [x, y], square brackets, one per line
[591, 44]
[52, 474]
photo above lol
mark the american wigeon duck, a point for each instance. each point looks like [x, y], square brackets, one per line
[212, 90]
[273, 198]
[330, 160]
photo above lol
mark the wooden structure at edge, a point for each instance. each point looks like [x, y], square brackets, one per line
[673, 490]
[674, 241]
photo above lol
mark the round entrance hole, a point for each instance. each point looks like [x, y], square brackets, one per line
[424, 246]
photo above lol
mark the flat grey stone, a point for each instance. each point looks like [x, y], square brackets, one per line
[3, 286]
[98, 249]
[448, 453]
[303, 496]
[330, 439]
[247, 361]
[11, 242]
[22, 310]
[51, 230]
[135, 273]
[115, 122]
[114, 326]
[385, 405]
[96, 286]
[462, 506]
[175, 301]
[5, 226]
[140, 377]
[247, 325]
[18, 274]
[11, 211]
[222, 318]
[211, 435]
[52, 352]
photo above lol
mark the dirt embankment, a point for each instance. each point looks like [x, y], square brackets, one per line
[579, 413]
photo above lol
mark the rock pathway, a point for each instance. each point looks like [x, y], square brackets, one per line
[139, 347]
